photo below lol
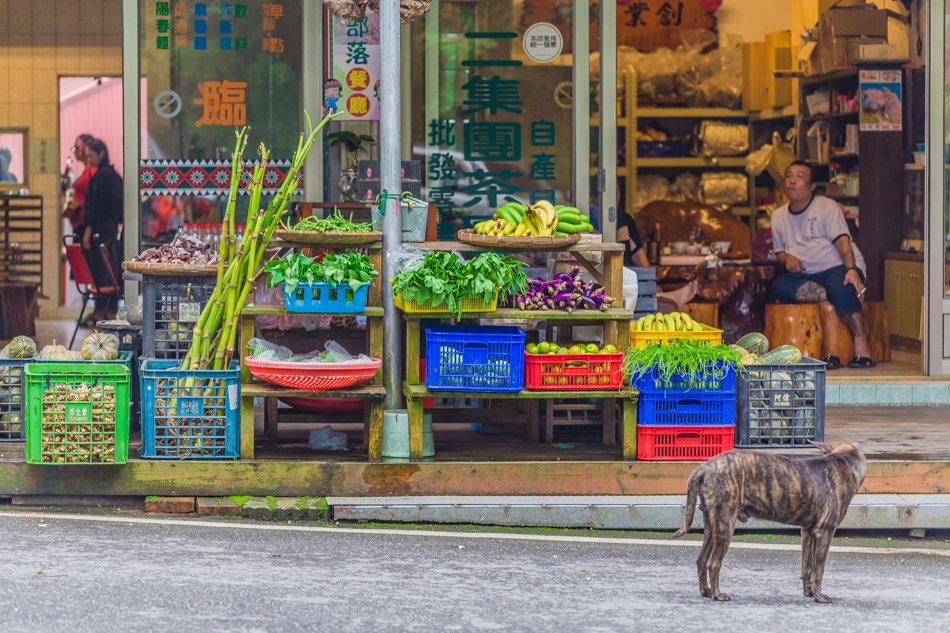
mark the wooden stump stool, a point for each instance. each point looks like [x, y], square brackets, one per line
[879, 337]
[836, 336]
[797, 324]
[705, 313]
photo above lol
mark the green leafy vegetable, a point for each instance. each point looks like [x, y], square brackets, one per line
[346, 267]
[695, 360]
[333, 223]
[444, 278]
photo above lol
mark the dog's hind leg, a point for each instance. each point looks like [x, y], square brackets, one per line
[703, 559]
[822, 542]
[722, 526]
[808, 560]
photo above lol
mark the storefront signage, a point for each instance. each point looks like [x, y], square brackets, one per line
[352, 85]
[215, 26]
[542, 42]
[881, 109]
[222, 103]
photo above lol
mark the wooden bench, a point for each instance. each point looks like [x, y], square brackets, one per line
[817, 330]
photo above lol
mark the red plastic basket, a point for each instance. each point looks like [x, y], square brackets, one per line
[589, 372]
[683, 443]
[313, 376]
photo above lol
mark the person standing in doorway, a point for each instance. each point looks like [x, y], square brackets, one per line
[104, 218]
[75, 211]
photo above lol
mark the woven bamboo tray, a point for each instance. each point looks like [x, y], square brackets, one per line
[513, 243]
[169, 270]
[328, 239]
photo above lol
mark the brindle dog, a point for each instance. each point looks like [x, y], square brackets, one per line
[811, 492]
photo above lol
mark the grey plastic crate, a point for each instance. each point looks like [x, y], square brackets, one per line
[165, 334]
[780, 405]
[11, 399]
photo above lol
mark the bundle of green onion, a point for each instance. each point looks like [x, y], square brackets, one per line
[689, 359]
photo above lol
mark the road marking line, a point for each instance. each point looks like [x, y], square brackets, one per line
[508, 536]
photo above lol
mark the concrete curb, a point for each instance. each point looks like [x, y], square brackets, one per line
[867, 512]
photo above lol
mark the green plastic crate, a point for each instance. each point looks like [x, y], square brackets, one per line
[77, 414]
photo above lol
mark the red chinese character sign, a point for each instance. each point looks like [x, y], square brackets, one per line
[353, 72]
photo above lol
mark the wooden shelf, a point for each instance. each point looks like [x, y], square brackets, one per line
[262, 389]
[618, 314]
[278, 310]
[696, 162]
[371, 246]
[419, 391]
[787, 112]
[586, 247]
[689, 113]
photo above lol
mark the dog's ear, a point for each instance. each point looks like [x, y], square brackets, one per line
[822, 446]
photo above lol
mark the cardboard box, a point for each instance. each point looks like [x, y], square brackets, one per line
[853, 22]
[778, 89]
[754, 76]
[870, 50]
[825, 5]
[818, 102]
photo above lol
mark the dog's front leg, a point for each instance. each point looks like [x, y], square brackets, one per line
[821, 544]
[808, 560]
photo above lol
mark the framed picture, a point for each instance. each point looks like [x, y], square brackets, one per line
[13, 159]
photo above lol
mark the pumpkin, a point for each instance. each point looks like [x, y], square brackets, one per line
[135, 314]
[57, 352]
[19, 347]
[100, 346]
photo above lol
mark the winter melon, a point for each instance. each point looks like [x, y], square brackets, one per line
[782, 355]
[754, 342]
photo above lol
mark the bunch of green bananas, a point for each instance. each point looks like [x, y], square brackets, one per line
[540, 219]
[672, 322]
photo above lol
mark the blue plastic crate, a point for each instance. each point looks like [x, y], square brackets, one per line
[708, 401]
[190, 414]
[472, 358]
[12, 395]
[326, 298]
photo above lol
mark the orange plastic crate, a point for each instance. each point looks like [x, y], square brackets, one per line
[683, 443]
[550, 372]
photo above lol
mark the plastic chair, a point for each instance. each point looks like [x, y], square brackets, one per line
[82, 275]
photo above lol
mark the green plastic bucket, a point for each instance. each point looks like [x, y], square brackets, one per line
[396, 436]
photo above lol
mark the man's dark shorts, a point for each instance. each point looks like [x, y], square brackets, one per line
[843, 297]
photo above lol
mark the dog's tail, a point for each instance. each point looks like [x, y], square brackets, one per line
[692, 494]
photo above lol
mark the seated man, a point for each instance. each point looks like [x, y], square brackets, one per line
[811, 240]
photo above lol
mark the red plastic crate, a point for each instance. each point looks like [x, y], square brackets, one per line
[549, 372]
[683, 443]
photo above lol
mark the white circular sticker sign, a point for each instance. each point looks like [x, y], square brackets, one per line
[542, 42]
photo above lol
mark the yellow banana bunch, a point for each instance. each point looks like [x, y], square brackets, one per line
[672, 322]
[541, 218]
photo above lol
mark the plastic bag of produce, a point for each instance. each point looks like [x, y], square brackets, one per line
[649, 188]
[265, 350]
[724, 188]
[684, 188]
[715, 138]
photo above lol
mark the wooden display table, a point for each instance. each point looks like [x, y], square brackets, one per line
[373, 393]
[616, 323]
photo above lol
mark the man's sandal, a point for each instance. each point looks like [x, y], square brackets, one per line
[832, 362]
[862, 362]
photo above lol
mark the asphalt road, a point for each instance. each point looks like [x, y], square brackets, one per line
[118, 574]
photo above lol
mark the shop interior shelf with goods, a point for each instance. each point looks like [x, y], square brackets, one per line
[855, 162]
[698, 151]
[496, 363]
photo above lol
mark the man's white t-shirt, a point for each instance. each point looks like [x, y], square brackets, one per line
[810, 236]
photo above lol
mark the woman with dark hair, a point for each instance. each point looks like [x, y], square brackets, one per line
[75, 202]
[104, 216]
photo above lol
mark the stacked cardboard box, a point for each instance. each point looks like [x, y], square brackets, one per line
[761, 89]
[841, 27]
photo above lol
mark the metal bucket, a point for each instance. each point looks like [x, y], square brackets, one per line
[415, 219]
[396, 436]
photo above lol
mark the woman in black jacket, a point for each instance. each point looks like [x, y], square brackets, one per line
[104, 219]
